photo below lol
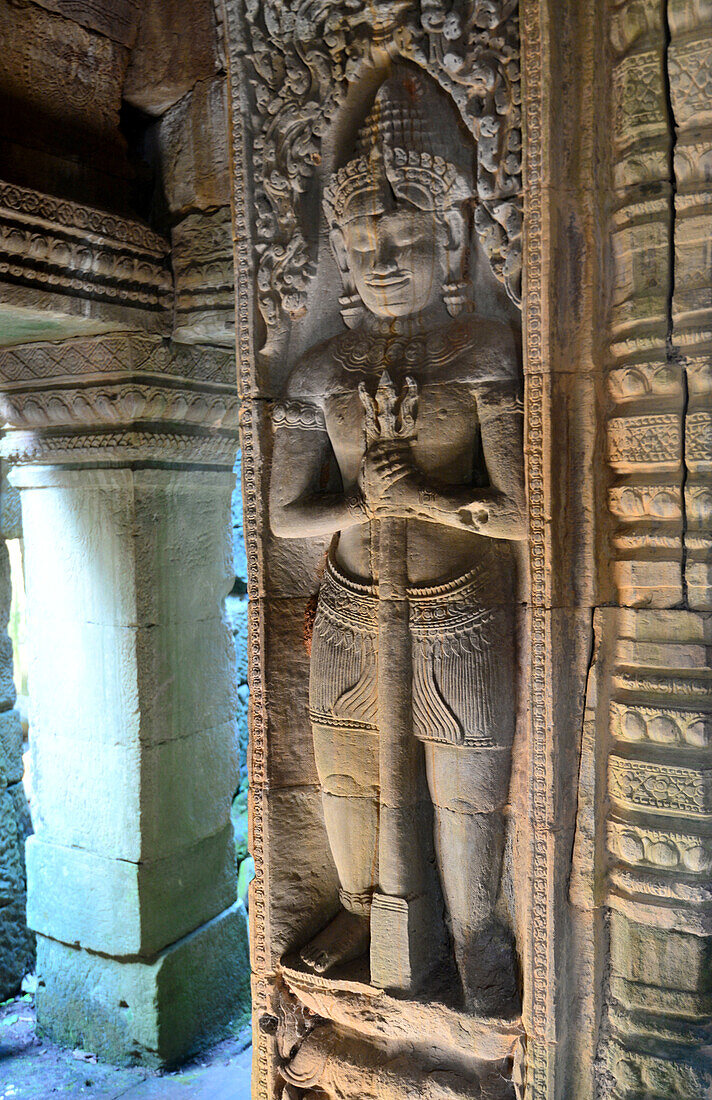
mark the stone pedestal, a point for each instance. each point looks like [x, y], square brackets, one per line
[142, 952]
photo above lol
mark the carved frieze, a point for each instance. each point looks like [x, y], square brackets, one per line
[52, 246]
[118, 398]
[204, 278]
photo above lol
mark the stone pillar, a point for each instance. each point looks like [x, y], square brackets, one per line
[126, 489]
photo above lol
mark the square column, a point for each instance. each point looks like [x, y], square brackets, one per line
[142, 946]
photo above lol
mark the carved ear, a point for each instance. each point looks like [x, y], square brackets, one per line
[456, 287]
[338, 247]
[457, 232]
[352, 308]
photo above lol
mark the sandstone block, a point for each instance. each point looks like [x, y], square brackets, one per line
[286, 666]
[203, 267]
[156, 1012]
[128, 802]
[68, 80]
[117, 19]
[136, 908]
[177, 46]
[192, 138]
[131, 685]
[301, 884]
[135, 547]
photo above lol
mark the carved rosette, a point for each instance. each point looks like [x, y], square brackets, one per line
[118, 399]
[659, 431]
[302, 56]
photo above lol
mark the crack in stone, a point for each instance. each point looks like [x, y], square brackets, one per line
[673, 355]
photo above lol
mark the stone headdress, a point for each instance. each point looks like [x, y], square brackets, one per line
[401, 141]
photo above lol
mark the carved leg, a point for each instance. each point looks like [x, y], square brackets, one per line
[347, 764]
[468, 788]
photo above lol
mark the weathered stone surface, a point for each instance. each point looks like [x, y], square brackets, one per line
[203, 265]
[156, 1012]
[302, 882]
[177, 46]
[135, 755]
[128, 914]
[133, 802]
[11, 765]
[117, 19]
[192, 139]
[61, 85]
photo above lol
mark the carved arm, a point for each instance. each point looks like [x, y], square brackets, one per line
[298, 507]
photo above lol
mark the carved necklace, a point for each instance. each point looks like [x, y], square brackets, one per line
[372, 353]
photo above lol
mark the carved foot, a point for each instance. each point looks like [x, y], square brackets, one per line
[346, 938]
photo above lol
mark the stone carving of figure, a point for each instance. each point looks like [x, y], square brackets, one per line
[420, 407]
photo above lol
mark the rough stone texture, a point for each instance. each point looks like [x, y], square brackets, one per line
[116, 19]
[128, 914]
[134, 745]
[605, 883]
[156, 1012]
[192, 140]
[204, 277]
[61, 87]
[176, 48]
[359, 833]
[133, 737]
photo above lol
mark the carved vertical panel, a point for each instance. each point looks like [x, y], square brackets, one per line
[303, 78]
[658, 453]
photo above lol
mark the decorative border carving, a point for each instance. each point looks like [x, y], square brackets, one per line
[118, 398]
[61, 246]
[540, 1069]
[127, 445]
[15, 200]
[112, 355]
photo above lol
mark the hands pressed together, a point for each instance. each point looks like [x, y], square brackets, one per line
[389, 481]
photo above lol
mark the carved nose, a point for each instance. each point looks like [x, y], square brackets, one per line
[385, 266]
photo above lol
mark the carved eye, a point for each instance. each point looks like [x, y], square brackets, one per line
[361, 241]
[408, 234]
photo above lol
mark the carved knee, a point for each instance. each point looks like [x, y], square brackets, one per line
[468, 780]
[346, 762]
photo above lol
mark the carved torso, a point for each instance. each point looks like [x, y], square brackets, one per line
[453, 365]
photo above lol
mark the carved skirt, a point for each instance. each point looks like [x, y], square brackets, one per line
[463, 654]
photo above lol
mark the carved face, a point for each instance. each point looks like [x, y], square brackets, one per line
[395, 251]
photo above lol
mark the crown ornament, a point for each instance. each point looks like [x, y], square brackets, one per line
[398, 143]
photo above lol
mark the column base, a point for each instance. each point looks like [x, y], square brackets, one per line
[156, 1012]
